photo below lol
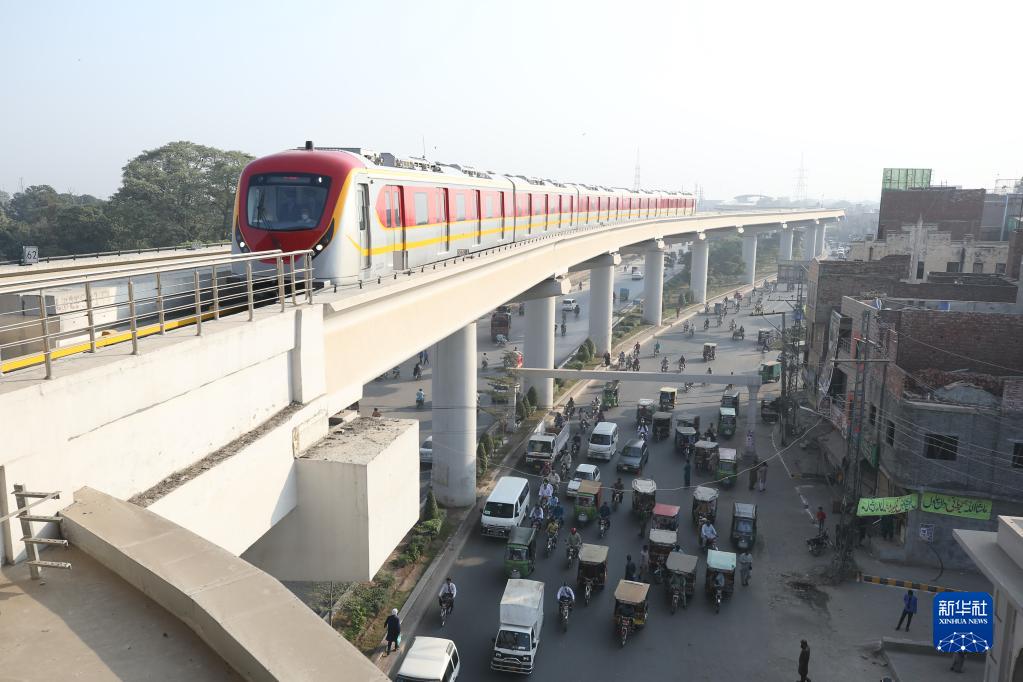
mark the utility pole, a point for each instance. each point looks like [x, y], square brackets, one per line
[844, 539]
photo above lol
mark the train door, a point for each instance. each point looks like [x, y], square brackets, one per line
[479, 218]
[392, 219]
[365, 233]
[444, 217]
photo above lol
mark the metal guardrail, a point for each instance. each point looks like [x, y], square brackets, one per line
[49, 319]
[120, 252]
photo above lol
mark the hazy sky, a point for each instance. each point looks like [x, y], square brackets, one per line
[726, 94]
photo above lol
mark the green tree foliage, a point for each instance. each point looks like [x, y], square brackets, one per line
[178, 193]
[531, 398]
[57, 223]
[430, 510]
[725, 258]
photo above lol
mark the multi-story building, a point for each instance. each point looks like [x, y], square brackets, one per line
[930, 250]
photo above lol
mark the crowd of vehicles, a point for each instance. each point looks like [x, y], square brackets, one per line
[366, 215]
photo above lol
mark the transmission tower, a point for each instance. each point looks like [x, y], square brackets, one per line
[635, 177]
[801, 182]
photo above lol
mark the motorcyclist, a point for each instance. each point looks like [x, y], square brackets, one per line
[621, 358]
[570, 406]
[575, 541]
[557, 512]
[566, 594]
[577, 443]
[600, 416]
[657, 348]
[563, 328]
[449, 590]
[607, 358]
[635, 349]
[719, 581]
[536, 516]
[745, 566]
[635, 364]
[552, 530]
[559, 420]
[420, 397]
[681, 364]
[618, 489]
[742, 330]
[731, 326]
[576, 310]
[708, 534]
[605, 513]
[664, 365]
[706, 324]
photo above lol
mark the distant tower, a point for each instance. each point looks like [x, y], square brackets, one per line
[801, 182]
[635, 178]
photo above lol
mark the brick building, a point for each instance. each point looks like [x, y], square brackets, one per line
[942, 419]
[951, 209]
[933, 251]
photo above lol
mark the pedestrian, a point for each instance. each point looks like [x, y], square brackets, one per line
[607, 358]
[762, 476]
[393, 624]
[804, 661]
[958, 660]
[821, 517]
[377, 413]
[687, 471]
[678, 312]
[417, 371]
[426, 358]
[421, 354]
[908, 609]
[644, 561]
[630, 568]
[887, 527]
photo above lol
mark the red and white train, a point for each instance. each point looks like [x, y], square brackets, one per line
[366, 214]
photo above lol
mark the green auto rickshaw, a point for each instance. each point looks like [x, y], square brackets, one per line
[520, 552]
[609, 398]
[587, 501]
[770, 371]
[728, 466]
[730, 398]
[726, 422]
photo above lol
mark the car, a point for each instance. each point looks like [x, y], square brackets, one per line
[426, 451]
[568, 304]
[637, 273]
[634, 456]
[583, 472]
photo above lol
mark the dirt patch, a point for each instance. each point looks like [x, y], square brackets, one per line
[182, 476]
[807, 591]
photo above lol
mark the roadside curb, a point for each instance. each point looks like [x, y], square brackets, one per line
[908, 584]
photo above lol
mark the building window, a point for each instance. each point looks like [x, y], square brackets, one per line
[889, 432]
[937, 446]
[1017, 455]
[999, 268]
[978, 267]
[873, 415]
[919, 269]
[952, 266]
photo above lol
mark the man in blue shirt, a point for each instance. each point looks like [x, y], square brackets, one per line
[908, 609]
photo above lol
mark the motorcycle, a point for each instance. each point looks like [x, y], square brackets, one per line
[587, 590]
[564, 610]
[706, 324]
[563, 329]
[447, 603]
[575, 448]
[664, 365]
[623, 630]
[604, 525]
[571, 554]
[616, 498]
[717, 600]
[731, 327]
[584, 423]
[552, 543]
[657, 348]
[818, 544]
[719, 321]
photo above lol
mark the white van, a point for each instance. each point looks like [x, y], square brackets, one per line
[506, 507]
[430, 659]
[603, 441]
[568, 304]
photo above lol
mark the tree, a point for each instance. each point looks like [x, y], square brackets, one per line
[84, 229]
[178, 193]
[725, 258]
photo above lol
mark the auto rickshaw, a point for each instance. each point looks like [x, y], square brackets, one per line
[520, 552]
[770, 371]
[660, 429]
[704, 451]
[644, 411]
[722, 563]
[709, 351]
[665, 516]
[730, 398]
[719, 307]
[744, 525]
[610, 396]
[587, 501]
[592, 572]
[763, 336]
[680, 571]
[644, 496]
[660, 544]
[685, 439]
[728, 467]
[726, 422]
[738, 334]
[691, 420]
[769, 411]
[666, 401]
[630, 608]
[705, 504]
[512, 358]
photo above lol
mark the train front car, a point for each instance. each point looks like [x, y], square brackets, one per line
[293, 201]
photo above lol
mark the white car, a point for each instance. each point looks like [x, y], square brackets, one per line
[426, 451]
[583, 472]
[568, 304]
[637, 273]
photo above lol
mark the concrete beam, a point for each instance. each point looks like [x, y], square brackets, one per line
[557, 286]
[661, 378]
[677, 239]
[643, 248]
[607, 259]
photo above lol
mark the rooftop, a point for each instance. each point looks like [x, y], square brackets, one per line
[357, 441]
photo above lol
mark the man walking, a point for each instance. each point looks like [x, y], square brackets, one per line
[393, 624]
[821, 518]
[908, 609]
[762, 476]
[630, 568]
[804, 661]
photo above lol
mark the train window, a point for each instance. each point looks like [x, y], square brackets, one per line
[472, 212]
[387, 207]
[286, 202]
[442, 208]
[489, 206]
[422, 208]
[538, 204]
[459, 206]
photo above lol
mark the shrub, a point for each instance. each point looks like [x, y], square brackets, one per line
[488, 443]
[531, 398]
[592, 347]
[429, 528]
[482, 462]
[521, 410]
[575, 364]
[430, 512]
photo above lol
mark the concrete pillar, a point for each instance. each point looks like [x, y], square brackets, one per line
[698, 273]
[819, 240]
[785, 245]
[601, 289]
[810, 243]
[653, 287]
[454, 418]
[749, 257]
[539, 346]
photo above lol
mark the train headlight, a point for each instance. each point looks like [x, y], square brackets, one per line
[241, 244]
[319, 247]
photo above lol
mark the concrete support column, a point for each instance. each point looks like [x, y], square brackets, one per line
[698, 273]
[454, 418]
[810, 243]
[819, 240]
[749, 257]
[601, 290]
[752, 410]
[539, 346]
[653, 287]
[785, 245]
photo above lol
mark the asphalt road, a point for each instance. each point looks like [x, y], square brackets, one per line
[758, 630]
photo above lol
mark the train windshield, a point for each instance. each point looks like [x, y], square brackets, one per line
[286, 201]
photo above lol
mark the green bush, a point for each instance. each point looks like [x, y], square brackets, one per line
[430, 511]
[531, 398]
[521, 410]
[488, 443]
[429, 528]
[592, 347]
[482, 463]
[575, 364]
[558, 383]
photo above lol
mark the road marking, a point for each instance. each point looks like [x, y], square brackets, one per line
[909, 584]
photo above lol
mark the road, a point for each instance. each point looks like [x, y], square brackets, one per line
[758, 630]
[396, 398]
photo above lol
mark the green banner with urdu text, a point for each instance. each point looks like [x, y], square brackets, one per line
[882, 506]
[966, 507]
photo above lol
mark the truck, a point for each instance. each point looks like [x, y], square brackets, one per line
[500, 323]
[518, 635]
[547, 442]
